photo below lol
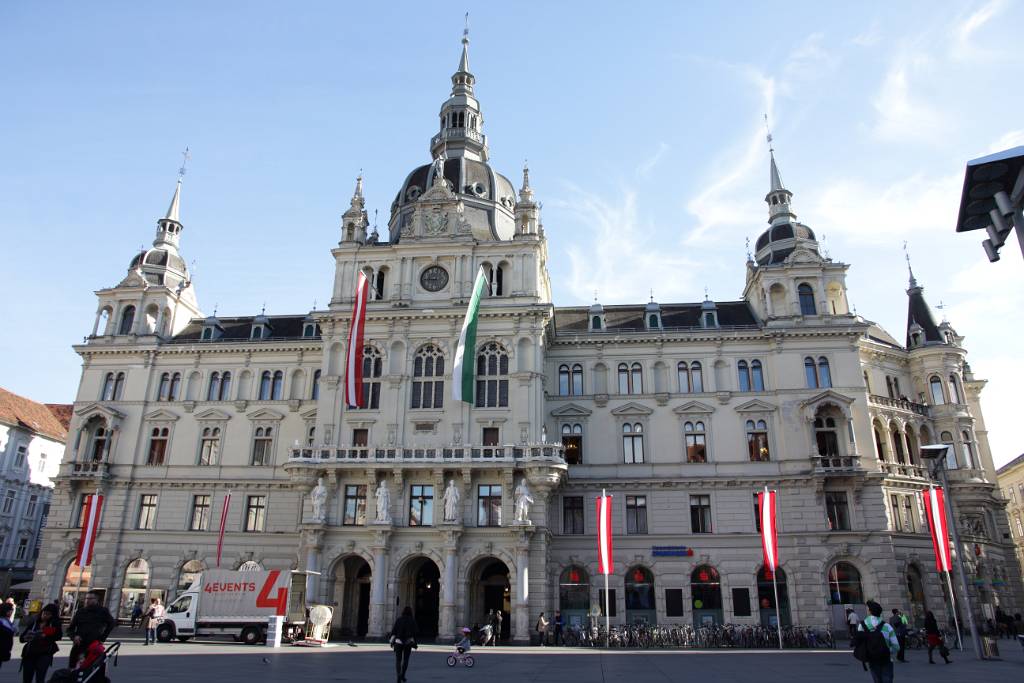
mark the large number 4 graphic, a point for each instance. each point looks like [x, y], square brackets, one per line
[280, 601]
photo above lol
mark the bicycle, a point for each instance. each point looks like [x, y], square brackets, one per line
[464, 658]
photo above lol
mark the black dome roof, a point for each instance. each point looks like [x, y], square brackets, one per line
[466, 177]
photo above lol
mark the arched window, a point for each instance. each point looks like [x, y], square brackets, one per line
[936, 387]
[127, 320]
[768, 582]
[378, 293]
[263, 446]
[806, 295]
[189, 573]
[427, 378]
[633, 442]
[373, 367]
[951, 461]
[867, 381]
[683, 371]
[652, 321]
[574, 592]
[496, 280]
[623, 378]
[315, 393]
[968, 450]
[100, 437]
[207, 333]
[757, 375]
[696, 378]
[225, 387]
[277, 386]
[639, 586]
[563, 380]
[250, 566]
[108, 387]
[265, 384]
[175, 390]
[825, 435]
[888, 386]
[897, 444]
[572, 443]
[844, 584]
[757, 441]
[491, 367]
[103, 321]
[577, 380]
[595, 322]
[157, 446]
[163, 387]
[213, 391]
[118, 386]
[636, 379]
[135, 589]
[879, 444]
[743, 370]
[954, 390]
[824, 373]
[209, 446]
[706, 589]
[695, 438]
[810, 373]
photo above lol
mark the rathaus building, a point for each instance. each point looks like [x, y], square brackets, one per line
[681, 411]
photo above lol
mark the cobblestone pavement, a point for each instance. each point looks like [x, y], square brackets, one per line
[226, 662]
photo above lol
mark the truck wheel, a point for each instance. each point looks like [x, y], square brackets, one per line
[164, 633]
[250, 635]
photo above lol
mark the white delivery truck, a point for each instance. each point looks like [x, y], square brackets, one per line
[237, 603]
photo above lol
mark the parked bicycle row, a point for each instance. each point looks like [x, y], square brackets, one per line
[698, 637]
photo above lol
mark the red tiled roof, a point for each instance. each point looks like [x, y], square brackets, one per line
[63, 412]
[20, 411]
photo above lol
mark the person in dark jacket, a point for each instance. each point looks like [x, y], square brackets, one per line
[403, 640]
[92, 622]
[898, 621]
[934, 637]
[6, 632]
[40, 638]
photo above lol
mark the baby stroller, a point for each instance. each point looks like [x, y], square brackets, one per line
[461, 653]
[92, 667]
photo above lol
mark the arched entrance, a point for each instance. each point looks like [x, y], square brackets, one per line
[640, 606]
[421, 590]
[766, 597]
[190, 571]
[844, 589]
[574, 595]
[490, 591]
[351, 595]
[915, 593]
[135, 589]
[706, 589]
[70, 593]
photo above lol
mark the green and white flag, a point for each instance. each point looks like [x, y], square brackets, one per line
[462, 374]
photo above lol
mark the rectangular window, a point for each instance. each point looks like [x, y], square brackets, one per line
[700, 514]
[490, 436]
[30, 510]
[636, 514]
[80, 514]
[897, 520]
[22, 549]
[255, 513]
[360, 438]
[488, 505]
[157, 446]
[908, 514]
[757, 515]
[572, 515]
[355, 505]
[673, 602]
[209, 446]
[741, 602]
[610, 603]
[633, 443]
[200, 514]
[572, 446]
[421, 505]
[262, 445]
[9, 499]
[837, 510]
[19, 459]
[147, 511]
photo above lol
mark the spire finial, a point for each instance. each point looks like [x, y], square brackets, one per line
[185, 156]
[595, 296]
[526, 174]
[771, 149]
[749, 257]
[652, 295]
[263, 308]
[215, 309]
[706, 293]
[942, 307]
[314, 304]
[910, 270]
[464, 60]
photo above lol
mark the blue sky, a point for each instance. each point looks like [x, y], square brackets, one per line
[643, 130]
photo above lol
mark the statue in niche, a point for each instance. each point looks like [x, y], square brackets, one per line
[452, 498]
[383, 503]
[318, 497]
[523, 500]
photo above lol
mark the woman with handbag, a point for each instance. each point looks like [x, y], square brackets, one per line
[40, 638]
[403, 640]
[934, 636]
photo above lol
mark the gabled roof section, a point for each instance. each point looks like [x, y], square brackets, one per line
[19, 411]
[630, 318]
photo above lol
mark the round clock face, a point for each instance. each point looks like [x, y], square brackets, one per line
[434, 279]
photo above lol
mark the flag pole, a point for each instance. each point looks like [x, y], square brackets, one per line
[956, 620]
[778, 613]
[607, 603]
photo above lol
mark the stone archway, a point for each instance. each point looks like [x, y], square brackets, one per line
[489, 588]
[420, 588]
[350, 591]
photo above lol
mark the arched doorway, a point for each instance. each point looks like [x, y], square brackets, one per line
[766, 597]
[706, 589]
[70, 593]
[421, 590]
[189, 573]
[135, 589]
[640, 606]
[844, 589]
[915, 593]
[490, 590]
[351, 590]
[574, 595]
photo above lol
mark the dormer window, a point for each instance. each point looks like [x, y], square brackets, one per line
[257, 332]
[653, 321]
[595, 322]
[710, 319]
[207, 333]
[309, 330]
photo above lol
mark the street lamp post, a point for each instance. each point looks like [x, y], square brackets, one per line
[993, 199]
[935, 455]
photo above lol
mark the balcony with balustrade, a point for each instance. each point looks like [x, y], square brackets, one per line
[899, 404]
[91, 470]
[389, 457]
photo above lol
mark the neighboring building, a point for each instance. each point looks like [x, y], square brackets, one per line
[1011, 482]
[32, 437]
[681, 411]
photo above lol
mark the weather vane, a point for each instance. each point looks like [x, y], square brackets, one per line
[465, 31]
[769, 131]
[185, 156]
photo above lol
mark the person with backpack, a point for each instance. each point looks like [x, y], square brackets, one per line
[898, 621]
[875, 644]
[934, 637]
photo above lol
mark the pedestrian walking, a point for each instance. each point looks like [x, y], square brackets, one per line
[91, 623]
[40, 638]
[934, 637]
[875, 644]
[154, 617]
[852, 622]
[136, 615]
[542, 629]
[559, 625]
[898, 621]
[6, 632]
[498, 618]
[403, 640]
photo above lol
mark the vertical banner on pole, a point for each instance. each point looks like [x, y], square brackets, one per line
[935, 511]
[223, 524]
[87, 540]
[766, 503]
[354, 357]
[604, 551]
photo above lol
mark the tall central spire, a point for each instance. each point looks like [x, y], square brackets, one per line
[462, 122]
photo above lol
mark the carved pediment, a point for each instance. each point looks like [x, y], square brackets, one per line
[308, 414]
[693, 407]
[827, 396]
[803, 256]
[160, 415]
[755, 406]
[212, 415]
[632, 409]
[265, 414]
[571, 410]
[133, 279]
[104, 411]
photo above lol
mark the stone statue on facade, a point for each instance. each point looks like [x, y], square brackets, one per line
[452, 498]
[318, 497]
[383, 503]
[523, 500]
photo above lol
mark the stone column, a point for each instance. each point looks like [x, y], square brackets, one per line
[521, 604]
[378, 584]
[449, 588]
[313, 537]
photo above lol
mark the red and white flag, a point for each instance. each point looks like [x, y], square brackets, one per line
[935, 510]
[354, 360]
[604, 534]
[769, 534]
[90, 529]
[223, 524]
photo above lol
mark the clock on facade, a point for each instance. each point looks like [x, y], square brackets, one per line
[434, 279]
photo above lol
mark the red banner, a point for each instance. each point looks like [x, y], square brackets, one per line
[354, 359]
[90, 529]
[604, 534]
[223, 524]
[935, 510]
[769, 535]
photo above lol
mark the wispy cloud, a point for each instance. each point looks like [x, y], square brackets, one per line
[902, 113]
[1013, 138]
[869, 37]
[643, 170]
[964, 32]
